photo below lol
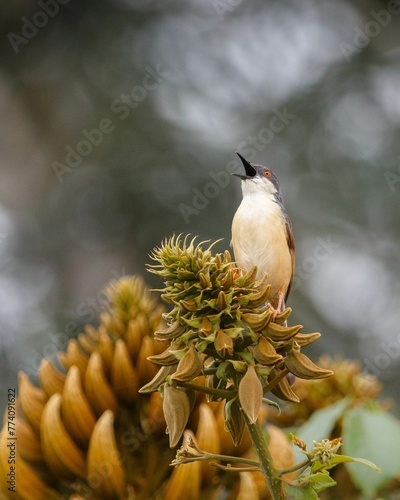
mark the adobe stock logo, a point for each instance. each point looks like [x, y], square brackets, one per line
[372, 29]
[248, 148]
[30, 27]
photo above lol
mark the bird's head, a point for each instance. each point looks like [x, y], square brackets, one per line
[259, 179]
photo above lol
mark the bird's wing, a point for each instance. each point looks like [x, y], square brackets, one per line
[291, 245]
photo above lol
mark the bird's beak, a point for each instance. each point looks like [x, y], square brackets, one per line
[250, 170]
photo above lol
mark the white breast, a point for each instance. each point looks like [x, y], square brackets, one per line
[259, 239]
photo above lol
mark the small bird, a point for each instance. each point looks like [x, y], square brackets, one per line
[262, 233]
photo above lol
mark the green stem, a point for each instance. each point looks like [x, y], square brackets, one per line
[207, 390]
[264, 455]
[299, 466]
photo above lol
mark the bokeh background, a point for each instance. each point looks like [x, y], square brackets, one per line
[119, 123]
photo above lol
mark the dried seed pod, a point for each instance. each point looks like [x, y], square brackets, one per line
[258, 321]
[304, 339]
[283, 390]
[280, 333]
[166, 357]
[158, 379]
[265, 353]
[234, 421]
[176, 407]
[281, 317]
[259, 298]
[189, 366]
[251, 394]
[223, 344]
[173, 331]
[301, 366]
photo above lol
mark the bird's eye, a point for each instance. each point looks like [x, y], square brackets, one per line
[267, 173]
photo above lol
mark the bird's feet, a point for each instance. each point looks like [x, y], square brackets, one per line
[280, 306]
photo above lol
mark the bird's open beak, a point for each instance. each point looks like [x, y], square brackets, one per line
[250, 170]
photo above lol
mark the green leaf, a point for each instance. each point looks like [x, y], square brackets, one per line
[340, 459]
[247, 356]
[320, 425]
[376, 435]
[321, 481]
[305, 492]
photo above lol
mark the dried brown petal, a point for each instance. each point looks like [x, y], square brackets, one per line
[176, 407]
[62, 455]
[301, 366]
[251, 394]
[223, 344]
[105, 469]
[189, 366]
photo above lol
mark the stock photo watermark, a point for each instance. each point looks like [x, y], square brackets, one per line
[121, 107]
[322, 251]
[249, 149]
[392, 178]
[86, 311]
[31, 27]
[225, 6]
[372, 28]
[382, 361]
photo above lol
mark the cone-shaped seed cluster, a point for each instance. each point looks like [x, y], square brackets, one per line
[221, 325]
[86, 432]
[68, 429]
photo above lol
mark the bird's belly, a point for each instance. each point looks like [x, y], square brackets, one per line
[259, 239]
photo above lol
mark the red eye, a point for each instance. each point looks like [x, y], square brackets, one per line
[267, 173]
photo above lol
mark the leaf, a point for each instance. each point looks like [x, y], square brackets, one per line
[321, 481]
[376, 435]
[320, 424]
[305, 492]
[341, 459]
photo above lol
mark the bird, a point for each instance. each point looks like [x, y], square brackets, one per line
[262, 233]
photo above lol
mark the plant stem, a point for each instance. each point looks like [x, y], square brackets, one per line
[208, 390]
[264, 455]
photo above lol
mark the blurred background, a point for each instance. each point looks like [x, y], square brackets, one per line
[120, 120]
